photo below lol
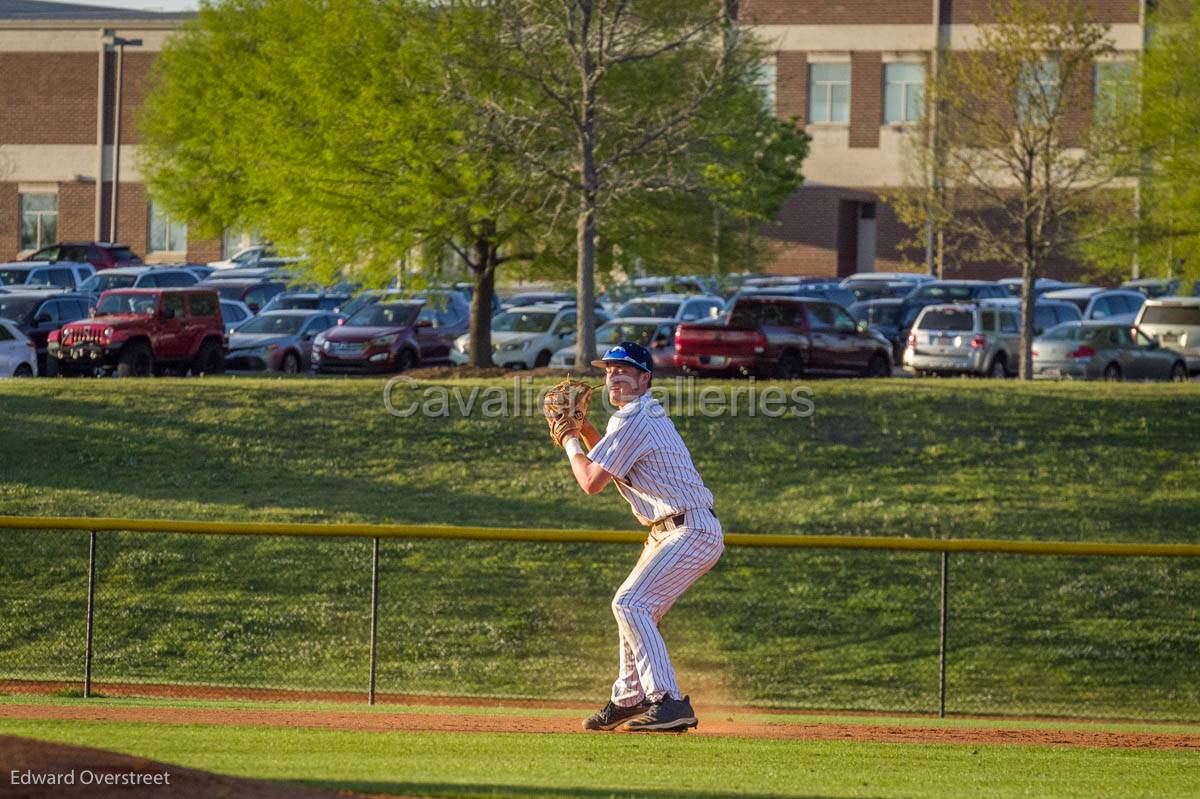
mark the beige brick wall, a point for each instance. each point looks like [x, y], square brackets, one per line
[76, 211]
[791, 85]
[48, 98]
[866, 99]
[10, 232]
[133, 216]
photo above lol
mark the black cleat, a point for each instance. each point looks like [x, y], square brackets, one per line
[613, 716]
[665, 715]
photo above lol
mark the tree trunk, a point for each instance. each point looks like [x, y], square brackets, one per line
[585, 277]
[484, 269]
[1028, 301]
[585, 289]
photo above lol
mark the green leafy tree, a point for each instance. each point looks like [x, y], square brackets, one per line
[373, 133]
[334, 130]
[1154, 229]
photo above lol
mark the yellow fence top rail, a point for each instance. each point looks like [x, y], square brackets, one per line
[1016, 547]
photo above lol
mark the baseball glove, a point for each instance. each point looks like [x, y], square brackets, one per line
[566, 407]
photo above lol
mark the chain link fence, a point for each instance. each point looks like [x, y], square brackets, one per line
[209, 615]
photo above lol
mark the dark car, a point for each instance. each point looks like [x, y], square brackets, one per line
[822, 291]
[39, 314]
[281, 273]
[938, 292]
[468, 291]
[866, 290]
[883, 316]
[1154, 287]
[884, 285]
[371, 296]
[278, 341]
[1015, 285]
[252, 291]
[537, 298]
[393, 336]
[307, 301]
[99, 254]
[201, 271]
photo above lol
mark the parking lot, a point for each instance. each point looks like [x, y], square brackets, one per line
[66, 319]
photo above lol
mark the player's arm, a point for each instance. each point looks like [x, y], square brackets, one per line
[590, 435]
[591, 477]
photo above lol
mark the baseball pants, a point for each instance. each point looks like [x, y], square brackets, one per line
[670, 562]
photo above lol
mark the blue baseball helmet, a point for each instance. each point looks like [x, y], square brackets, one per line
[627, 352]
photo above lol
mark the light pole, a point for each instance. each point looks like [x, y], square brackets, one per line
[120, 44]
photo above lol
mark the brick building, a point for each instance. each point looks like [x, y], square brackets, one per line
[58, 90]
[852, 70]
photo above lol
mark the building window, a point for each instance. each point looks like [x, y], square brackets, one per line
[39, 220]
[166, 235]
[236, 240]
[904, 92]
[829, 93]
[1113, 87]
[1038, 93]
[764, 81]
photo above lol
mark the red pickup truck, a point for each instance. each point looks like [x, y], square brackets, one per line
[139, 332]
[783, 337]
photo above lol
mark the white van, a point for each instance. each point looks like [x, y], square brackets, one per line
[1174, 322]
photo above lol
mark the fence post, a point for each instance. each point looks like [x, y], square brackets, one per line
[91, 616]
[374, 615]
[945, 602]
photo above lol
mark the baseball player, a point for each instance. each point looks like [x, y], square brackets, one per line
[643, 454]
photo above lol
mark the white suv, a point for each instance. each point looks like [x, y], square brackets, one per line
[1175, 323]
[526, 337]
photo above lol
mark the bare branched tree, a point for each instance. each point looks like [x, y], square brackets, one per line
[619, 92]
[1009, 157]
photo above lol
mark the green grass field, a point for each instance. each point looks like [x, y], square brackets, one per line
[626, 766]
[815, 629]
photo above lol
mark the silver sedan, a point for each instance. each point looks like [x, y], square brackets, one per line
[278, 341]
[1095, 350]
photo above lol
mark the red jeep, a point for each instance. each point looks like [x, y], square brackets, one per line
[139, 332]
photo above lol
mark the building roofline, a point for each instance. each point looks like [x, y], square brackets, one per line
[40, 14]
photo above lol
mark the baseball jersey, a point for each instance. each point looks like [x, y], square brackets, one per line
[651, 464]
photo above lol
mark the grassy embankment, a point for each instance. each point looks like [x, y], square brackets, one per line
[809, 628]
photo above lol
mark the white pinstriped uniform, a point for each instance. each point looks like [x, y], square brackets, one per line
[654, 472]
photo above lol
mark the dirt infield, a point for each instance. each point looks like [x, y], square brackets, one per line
[712, 724]
[98, 774]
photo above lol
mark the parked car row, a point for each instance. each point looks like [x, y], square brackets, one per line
[867, 324]
[985, 339]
